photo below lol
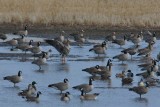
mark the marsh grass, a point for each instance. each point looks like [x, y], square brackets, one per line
[83, 12]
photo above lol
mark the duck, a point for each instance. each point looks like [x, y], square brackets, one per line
[121, 75]
[40, 61]
[62, 86]
[22, 32]
[120, 42]
[14, 78]
[86, 87]
[88, 96]
[62, 48]
[122, 57]
[65, 97]
[128, 79]
[99, 49]
[3, 36]
[34, 98]
[140, 89]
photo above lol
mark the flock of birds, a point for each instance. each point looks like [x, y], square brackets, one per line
[150, 67]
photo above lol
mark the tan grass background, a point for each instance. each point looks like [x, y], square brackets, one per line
[83, 12]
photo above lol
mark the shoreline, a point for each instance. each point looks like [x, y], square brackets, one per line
[50, 31]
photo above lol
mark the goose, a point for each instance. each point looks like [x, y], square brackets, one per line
[35, 49]
[147, 74]
[26, 92]
[62, 48]
[12, 42]
[146, 50]
[140, 89]
[88, 96]
[132, 51]
[34, 98]
[48, 53]
[120, 42]
[14, 78]
[60, 38]
[146, 64]
[79, 37]
[99, 49]
[65, 97]
[33, 89]
[152, 38]
[40, 61]
[136, 40]
[111, 37]
[92, 70]
[25, 47]
[21, 40]
[22, 32]
[154, 65]
[122, 57]
[86, 87]
[3, 36]
[62, 86]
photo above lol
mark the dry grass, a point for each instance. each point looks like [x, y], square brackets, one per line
[85, 12]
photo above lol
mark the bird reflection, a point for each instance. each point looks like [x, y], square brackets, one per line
[62, 67]
[141, 100]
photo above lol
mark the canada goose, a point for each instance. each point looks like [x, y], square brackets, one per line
[62, 48]
[21, 40]
[33, 89]
[14, 78]
[121, 75]
[12, 42]
[154, 66]
[136, 40]
[146, 50]
[3, 36]
[35, 49]
[146, 64]
[152, 38]
[79, 37]
[62, 86]
[40, 61]
[147, 74]
[132, 51]
[99, 49]
[60, 38]
[122, 57]
[22, 32]
[140, 89]
[88, 96]
[86, 87]
[65, 97]
[111, 37]
[25, 47]
[92, 70]
[120, 42]
[47, 56]
[26, 92]
[34, 98]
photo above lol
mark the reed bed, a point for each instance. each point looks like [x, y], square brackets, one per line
[82, 12]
